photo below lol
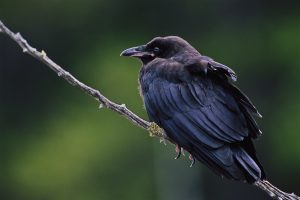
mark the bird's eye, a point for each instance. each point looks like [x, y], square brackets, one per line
[156, 50]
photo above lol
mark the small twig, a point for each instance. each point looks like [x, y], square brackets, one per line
[153, 128]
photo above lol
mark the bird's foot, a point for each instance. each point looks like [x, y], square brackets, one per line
[192, 159]
[155, 130]
[180, 151]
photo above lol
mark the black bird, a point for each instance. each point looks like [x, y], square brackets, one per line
[193, 98]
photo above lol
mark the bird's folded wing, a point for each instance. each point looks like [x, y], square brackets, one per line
[204, 63]
[196, 111]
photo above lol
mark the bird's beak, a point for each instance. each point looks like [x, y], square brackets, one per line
[139, 51]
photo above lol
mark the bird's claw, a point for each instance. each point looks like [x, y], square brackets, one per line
[178, 151]
[192, 159]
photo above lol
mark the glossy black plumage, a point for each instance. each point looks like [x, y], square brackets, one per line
[193, 99]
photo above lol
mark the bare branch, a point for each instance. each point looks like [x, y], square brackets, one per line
[153, 128]
[104, 101]
[274, 192]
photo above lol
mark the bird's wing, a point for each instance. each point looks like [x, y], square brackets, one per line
[208, 65]
[196, 110]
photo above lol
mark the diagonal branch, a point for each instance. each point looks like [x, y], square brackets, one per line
[154, 129]
[274, 192]
[104, 101]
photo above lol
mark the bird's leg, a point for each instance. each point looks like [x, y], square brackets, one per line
[178, 151]
[192, 159]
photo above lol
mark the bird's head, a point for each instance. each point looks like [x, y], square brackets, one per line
[159, 47]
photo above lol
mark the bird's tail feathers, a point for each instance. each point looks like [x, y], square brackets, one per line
[232, 162]
[250, 166]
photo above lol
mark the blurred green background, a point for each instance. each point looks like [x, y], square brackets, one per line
[55, 144]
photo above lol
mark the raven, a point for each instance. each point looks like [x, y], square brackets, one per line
[193, 98]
